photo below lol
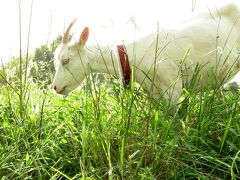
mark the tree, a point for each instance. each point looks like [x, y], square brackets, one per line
[43, 63]
[39, 67]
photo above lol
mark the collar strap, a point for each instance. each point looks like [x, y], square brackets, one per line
[123, 57]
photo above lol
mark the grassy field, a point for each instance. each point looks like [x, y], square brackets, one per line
[104, 131]
[112, 133]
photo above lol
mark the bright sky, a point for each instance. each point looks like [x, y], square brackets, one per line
[110, 20]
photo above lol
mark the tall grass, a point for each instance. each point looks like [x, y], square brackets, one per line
[108, 135]
[104, 131]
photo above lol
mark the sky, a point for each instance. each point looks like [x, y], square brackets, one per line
[110, 21]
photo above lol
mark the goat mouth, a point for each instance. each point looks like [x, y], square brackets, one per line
[62, 91]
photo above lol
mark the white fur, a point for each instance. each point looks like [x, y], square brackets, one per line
[162, 62]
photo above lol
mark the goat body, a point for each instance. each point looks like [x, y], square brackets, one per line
[165, 62]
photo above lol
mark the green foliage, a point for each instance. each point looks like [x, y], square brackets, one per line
[108, 132]
[38, 67]
[43, 63]
[10, 70]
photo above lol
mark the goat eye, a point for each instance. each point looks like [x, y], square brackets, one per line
[65, 61]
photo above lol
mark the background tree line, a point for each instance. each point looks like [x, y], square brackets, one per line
[37, 67]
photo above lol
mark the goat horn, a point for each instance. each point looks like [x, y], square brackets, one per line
[66, 34]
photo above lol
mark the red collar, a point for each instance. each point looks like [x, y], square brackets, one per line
[123, 57]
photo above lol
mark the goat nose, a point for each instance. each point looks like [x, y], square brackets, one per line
[58, 89]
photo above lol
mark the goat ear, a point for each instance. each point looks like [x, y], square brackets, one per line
[84, 36]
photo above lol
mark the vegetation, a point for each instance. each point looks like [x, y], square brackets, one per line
[108, 132]
[43, 66]
[104, 131]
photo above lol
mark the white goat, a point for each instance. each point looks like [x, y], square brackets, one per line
[163, 63]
